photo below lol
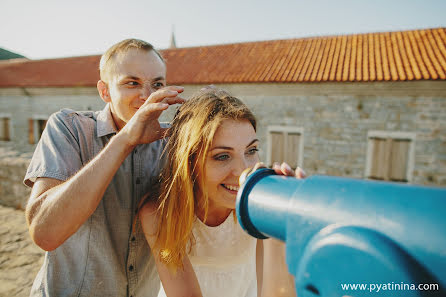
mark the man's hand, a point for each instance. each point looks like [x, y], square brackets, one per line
[144, 126]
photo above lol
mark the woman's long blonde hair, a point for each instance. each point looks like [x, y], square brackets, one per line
[190, 138]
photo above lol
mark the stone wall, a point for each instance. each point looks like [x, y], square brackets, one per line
[22, 104]
[335, 118]
[335, 130]
[13, 165]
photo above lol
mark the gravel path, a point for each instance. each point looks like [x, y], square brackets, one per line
[20, 258]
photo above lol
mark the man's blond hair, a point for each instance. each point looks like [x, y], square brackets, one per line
[107, 60]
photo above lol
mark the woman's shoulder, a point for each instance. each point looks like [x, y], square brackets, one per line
[149, 208]
[148, 213]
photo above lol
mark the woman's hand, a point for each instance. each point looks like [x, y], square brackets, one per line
[285, 169]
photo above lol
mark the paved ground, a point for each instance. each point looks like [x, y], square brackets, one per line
[20, 258]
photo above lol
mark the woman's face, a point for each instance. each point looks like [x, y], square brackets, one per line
[233, 149]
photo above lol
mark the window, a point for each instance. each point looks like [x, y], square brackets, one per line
[35, 129]
[390, 156]
[5, 134]
[285, 144]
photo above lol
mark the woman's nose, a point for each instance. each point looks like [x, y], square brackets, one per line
[241, 165]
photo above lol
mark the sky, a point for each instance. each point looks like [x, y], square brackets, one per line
[40, 29]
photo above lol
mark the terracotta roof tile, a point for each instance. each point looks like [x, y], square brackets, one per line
[440, 39]
[308, 63]
[335, 58]
[372, 66]
[295, 49]
[415, 43]
[411, 55]
[343, 73]
[324, 64]
[74, 71]
[391, 58]
[341, 58]
[384, 57]
[420, 36]
[434, 55]
[437, 48]
[359, 58]
[388, 56]
[406, 69]
[351, 72]
[298, 61]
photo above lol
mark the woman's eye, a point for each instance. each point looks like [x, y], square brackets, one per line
[253, 151]
[223, 157]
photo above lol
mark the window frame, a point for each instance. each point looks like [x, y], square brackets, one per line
[10, 130]
[35, 119]
[393, 135]
[285, 130]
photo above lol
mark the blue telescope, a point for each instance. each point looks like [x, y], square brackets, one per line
[351, 237]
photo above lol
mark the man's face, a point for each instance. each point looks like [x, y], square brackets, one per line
[136, 75]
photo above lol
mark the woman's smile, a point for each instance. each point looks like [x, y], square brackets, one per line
[231, 188]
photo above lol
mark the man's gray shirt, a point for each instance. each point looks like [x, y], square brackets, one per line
[106, 256]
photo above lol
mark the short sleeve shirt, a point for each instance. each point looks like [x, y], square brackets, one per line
[106, 256]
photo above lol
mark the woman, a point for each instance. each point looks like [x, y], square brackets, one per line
[190, 227]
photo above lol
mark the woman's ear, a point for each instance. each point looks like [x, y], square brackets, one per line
[103, 91]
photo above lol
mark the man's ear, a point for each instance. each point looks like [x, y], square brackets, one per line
[103, 91]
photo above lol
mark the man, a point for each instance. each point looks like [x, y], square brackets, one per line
[88, 173]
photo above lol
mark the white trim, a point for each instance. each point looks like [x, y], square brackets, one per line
[285, 130]
[40, 117]
[391, 134]
[394, 135]
[289, 129]
[368, 162]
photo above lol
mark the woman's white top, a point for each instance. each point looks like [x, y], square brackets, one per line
[224, 260]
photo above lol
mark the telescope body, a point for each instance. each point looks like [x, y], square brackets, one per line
[341, 232]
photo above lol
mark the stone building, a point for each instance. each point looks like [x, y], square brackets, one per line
[364, 106]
